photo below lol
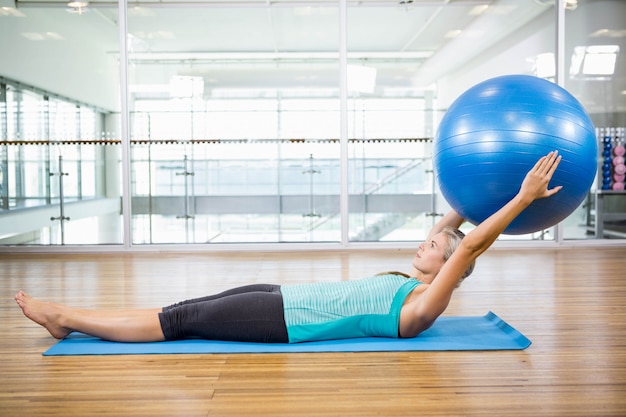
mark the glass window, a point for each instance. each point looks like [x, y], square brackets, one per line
[596, 74]
[235, 115]
[234, 136]
[58, 80]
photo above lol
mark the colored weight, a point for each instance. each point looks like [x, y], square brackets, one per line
[619, 178]
[618, 160]
[618, 186]
[620, 169]
[619, 150]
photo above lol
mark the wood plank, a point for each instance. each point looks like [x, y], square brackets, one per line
[570, 302]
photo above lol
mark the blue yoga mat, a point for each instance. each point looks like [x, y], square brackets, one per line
[488, 332]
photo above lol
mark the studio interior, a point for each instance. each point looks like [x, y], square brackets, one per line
[159, 151]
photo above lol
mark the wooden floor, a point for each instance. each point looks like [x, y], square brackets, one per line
[570, 302]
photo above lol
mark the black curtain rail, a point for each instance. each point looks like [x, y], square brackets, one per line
[199, 141]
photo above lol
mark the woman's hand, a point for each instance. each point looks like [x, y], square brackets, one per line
[535, 184]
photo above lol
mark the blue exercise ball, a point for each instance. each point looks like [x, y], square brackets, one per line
[495, 132]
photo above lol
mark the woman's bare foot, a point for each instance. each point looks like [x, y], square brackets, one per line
[43, 313]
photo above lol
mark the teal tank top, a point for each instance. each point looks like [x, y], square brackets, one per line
[368, 307]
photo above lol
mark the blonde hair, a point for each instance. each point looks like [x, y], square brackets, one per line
[455, 236]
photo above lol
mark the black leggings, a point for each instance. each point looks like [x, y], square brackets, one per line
[252, 313]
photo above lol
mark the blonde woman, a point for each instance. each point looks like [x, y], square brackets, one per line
[388, 305]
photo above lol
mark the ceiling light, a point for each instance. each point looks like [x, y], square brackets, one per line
[274, 56]
[42, 36]
[569, 4]
[451, 34]
[77, 6]
[545, 66]
[33, 36]
[186, 86]
[10, 11]
[54, 36]
[478, 10]
[609, 33]
[594, 61]
[361, 78]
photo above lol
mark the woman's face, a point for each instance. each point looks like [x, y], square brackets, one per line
[430, 257]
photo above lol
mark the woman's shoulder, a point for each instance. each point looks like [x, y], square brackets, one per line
[402, 274]
[416, 293]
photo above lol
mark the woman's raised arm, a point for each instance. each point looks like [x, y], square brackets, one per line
[436, 297]
[451, 219]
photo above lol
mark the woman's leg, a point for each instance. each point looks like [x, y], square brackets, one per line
[233, 291]
[250, 313]
[119, 326]
[243, 316]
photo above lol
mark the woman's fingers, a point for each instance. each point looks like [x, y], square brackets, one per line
[547, 164]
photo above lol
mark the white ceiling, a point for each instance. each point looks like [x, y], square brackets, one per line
[270, 44]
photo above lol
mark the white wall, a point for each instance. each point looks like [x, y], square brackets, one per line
[82, 65]
[514, 56]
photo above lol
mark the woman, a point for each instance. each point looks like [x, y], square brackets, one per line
[390, 305]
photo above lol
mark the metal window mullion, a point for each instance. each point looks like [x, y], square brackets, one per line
[20, 189]
[343, 117]
[559, 57]
[79, 162]
[47, 128]
[4, 135]
[124, 123]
